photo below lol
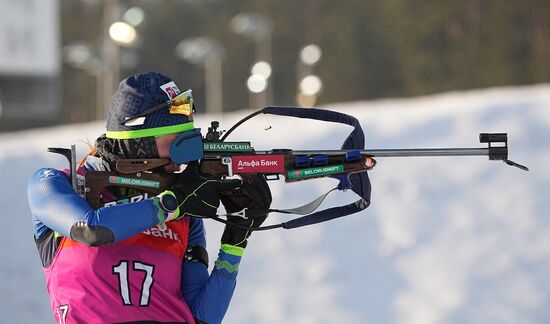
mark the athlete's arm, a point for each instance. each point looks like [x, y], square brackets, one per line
[209, 296]
[55, 206]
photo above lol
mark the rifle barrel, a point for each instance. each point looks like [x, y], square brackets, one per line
[405, 152]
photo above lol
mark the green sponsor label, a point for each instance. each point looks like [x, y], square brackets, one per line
[315, 172]
[228, 147]
[134, 182]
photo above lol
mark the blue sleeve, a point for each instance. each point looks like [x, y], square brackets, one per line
[209, 296]
[194, 275]
[56, 206]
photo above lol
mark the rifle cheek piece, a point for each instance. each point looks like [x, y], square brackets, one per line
[187, 147]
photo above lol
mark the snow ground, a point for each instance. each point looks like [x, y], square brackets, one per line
[445, 240]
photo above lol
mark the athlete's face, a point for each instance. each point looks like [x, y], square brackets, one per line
[163, 146]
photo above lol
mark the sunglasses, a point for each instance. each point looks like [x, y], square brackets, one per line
[181, 104]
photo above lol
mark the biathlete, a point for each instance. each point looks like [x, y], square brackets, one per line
[141, 262]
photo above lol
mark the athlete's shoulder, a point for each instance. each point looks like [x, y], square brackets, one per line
[45, 174]
[48, 180]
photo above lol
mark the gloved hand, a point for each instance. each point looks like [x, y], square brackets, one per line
[198, 196]
[260, 194]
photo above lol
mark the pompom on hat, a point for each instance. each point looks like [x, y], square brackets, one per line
[141, 107]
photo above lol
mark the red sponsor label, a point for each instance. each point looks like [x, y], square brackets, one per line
[171, 92]
[258, 163]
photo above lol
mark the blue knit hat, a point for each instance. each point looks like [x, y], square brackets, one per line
[138, 94]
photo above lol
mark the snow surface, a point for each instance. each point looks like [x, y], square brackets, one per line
[445, 240]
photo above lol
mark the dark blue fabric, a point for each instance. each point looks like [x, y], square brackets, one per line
[208, 296]
[355, 140]
[138, 93]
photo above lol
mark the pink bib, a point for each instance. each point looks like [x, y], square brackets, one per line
[137, 279]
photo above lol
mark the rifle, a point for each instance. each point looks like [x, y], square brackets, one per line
[220, 159]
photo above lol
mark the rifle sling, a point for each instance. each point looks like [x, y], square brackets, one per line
[307, 210]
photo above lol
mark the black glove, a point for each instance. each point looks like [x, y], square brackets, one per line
[198, 196]
[260, 197]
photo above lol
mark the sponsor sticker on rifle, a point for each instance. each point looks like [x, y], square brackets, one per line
[228, 147]
[258, 163]
[315, 172]
[134, 182]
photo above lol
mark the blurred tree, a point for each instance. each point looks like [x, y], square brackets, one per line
[371, 49]
[469, 43]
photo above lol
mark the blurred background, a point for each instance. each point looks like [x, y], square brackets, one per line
[445, 240]
[61, 60]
